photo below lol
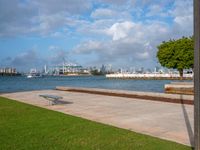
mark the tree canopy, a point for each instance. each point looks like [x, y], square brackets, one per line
[177, 54]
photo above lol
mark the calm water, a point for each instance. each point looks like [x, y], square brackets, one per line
[14, 84]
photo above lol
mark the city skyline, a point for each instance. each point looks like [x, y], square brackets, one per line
[121, 33]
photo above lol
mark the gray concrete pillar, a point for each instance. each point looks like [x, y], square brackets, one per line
[197, 75]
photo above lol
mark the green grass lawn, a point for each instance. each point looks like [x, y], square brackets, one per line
[23, 126]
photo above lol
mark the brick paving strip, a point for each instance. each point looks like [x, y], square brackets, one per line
[171, 121]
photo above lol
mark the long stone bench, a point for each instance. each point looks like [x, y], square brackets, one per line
[163, 97]
[180, 88]
[53, 99]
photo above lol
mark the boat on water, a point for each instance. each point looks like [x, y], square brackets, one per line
[34, 74]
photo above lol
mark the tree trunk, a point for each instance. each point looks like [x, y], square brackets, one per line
[181, 73]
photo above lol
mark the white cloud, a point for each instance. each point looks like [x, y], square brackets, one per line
[103, 13]
[155, 10]
[88, 47]
[182, 13]
[144, 55]
[116, 14]
[120, 30]
[114, 31]
[47, 24]
[39, 17]
[130, 42]
[115, 2]
[59, 6]
[25, 60]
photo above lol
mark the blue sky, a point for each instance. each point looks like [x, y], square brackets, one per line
[123, 33]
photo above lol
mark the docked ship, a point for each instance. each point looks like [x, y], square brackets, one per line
[69, 69]
[34, 74]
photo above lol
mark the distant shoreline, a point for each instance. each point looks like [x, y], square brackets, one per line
[74, 75]
[9, 74]
[150, 78]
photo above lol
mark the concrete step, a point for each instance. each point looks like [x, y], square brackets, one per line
[180, 88]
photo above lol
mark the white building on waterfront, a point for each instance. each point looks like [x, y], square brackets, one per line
[8, 70]
[69, 68]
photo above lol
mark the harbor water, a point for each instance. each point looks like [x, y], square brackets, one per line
[21, 83]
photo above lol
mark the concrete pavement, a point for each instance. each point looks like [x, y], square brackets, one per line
[164, 120]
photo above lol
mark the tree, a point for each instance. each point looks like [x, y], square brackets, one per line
[177, 54]
[95, 72]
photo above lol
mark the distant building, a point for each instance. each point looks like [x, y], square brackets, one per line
[69, 68]
[33, 70]
[156, 69]
[8, 71]
[45, 69]
[2, 70]
[109, 68]
[148, 70]
[103, 69]
[141, 70]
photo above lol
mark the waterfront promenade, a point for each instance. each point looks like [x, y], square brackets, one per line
[160, 119]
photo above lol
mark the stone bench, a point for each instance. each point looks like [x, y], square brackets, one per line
[53, 99]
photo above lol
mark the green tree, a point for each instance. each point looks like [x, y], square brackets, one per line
[177, 54]
[95, 72]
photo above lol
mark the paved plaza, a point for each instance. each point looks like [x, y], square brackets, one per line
[159, 119]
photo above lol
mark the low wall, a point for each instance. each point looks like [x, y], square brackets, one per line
[172, 98]
[180, 88]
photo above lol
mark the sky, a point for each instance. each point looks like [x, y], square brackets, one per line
[121, 33]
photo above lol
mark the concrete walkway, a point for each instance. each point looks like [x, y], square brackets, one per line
[164, 120]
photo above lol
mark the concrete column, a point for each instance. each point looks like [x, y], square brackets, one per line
[197, 75]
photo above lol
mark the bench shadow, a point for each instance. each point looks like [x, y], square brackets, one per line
[188, 125]
[60, 102]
